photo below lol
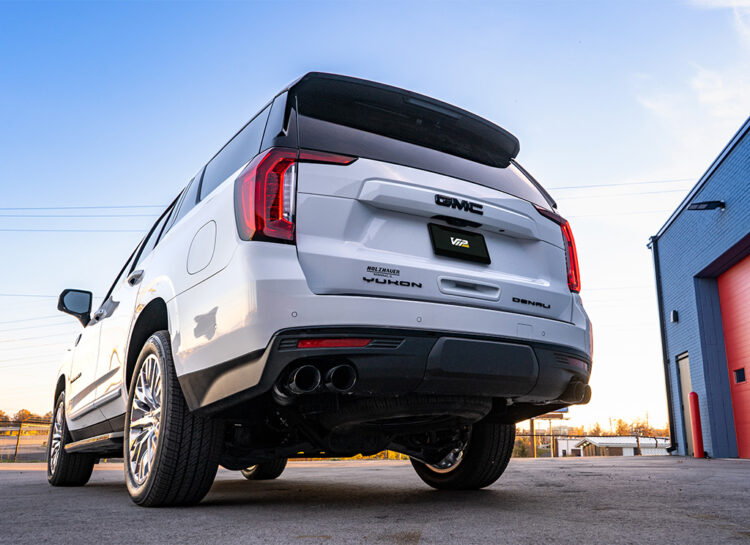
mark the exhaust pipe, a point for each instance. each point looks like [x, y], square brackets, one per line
[586, 395]
[303, 380]
[341, 379]
[575, 392]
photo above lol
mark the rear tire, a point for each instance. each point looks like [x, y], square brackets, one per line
[265, 471]
[63, 468]
[171, 455]
[484, 459]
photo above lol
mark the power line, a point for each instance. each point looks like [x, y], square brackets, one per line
[33, 364]
[78, 215]
[66, 322]
[618, 288]
[13, 360]
[74, 230]
[24, 295]
[621, 194]
[621, 214]
[33, 338]
[31, 319]
[61, 344]
[82, 207]
[674, 181]
[36, 295]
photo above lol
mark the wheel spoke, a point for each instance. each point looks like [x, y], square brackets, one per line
[145, 416]
[56, 439]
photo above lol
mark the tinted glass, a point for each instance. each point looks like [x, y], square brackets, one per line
[189, 199]
[374, 121]
[405, 116]
[152, 238]
[173, 213]
[240, 149]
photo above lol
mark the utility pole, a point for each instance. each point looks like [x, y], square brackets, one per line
[533, 436]
[551, 440]
[18, 440]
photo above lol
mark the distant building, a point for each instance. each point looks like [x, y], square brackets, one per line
[702, 264]
[623, 446]
[567, 447]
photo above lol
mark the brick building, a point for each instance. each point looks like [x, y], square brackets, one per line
[702, 265]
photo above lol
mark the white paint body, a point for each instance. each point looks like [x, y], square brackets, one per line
[227, 297]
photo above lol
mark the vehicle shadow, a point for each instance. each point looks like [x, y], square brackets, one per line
[301, 494]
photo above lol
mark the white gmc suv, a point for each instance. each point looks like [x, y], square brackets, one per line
[359, 268]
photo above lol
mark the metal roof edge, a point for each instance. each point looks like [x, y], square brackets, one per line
[703, 179]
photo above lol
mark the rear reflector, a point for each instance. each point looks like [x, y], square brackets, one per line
[571, 254]
[265, 192]
[333, 343]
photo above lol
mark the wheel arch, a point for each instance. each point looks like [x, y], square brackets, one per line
[59, 387]
[154, 317]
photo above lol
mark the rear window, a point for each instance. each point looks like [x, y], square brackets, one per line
[371, 120]
[406, 116]
[239, 150]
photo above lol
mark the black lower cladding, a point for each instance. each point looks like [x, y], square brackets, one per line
[111, 425]
[397, 362]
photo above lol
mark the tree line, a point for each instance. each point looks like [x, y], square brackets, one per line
[23, 415]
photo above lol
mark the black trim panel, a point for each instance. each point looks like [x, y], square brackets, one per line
[398, 361]
[114, 424]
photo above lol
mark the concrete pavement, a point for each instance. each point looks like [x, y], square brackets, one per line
[574, 500]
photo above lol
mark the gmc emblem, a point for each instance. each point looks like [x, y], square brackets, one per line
[452, 202]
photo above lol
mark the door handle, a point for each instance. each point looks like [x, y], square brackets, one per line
[135, 277]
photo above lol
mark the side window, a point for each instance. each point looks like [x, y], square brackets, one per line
[189, 200]
[175, 209]
[239, 150]
[153, 236]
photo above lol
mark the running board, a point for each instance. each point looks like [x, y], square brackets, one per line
[101, 443]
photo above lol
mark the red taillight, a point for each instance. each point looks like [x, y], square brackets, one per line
[574, 274]
[571, 255]
[266, 189]
[333, 343]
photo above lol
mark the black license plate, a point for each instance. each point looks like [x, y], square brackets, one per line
[460, 244]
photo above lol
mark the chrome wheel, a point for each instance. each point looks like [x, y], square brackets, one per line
[145, 417]
[56, 440]
[449, 463]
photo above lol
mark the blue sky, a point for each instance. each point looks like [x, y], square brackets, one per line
[118, 104]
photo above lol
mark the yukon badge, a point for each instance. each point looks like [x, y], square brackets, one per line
[452, 202]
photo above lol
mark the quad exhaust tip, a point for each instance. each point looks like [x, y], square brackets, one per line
[303, 380]
[306, 379]
[341, 379]
[576, 392]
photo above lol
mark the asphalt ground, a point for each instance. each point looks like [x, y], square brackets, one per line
[574, 500]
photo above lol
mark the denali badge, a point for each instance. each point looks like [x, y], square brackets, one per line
[532, 303]
[388, 281]
[452, 202]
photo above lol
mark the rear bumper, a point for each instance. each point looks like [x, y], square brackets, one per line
[397, 362]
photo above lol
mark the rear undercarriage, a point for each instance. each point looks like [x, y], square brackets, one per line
[329, 392]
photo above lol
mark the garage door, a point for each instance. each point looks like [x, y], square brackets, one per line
[734, 295]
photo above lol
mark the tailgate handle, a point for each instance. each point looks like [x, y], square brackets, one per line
[468, 288]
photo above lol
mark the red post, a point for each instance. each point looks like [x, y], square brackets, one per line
[695, 418]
